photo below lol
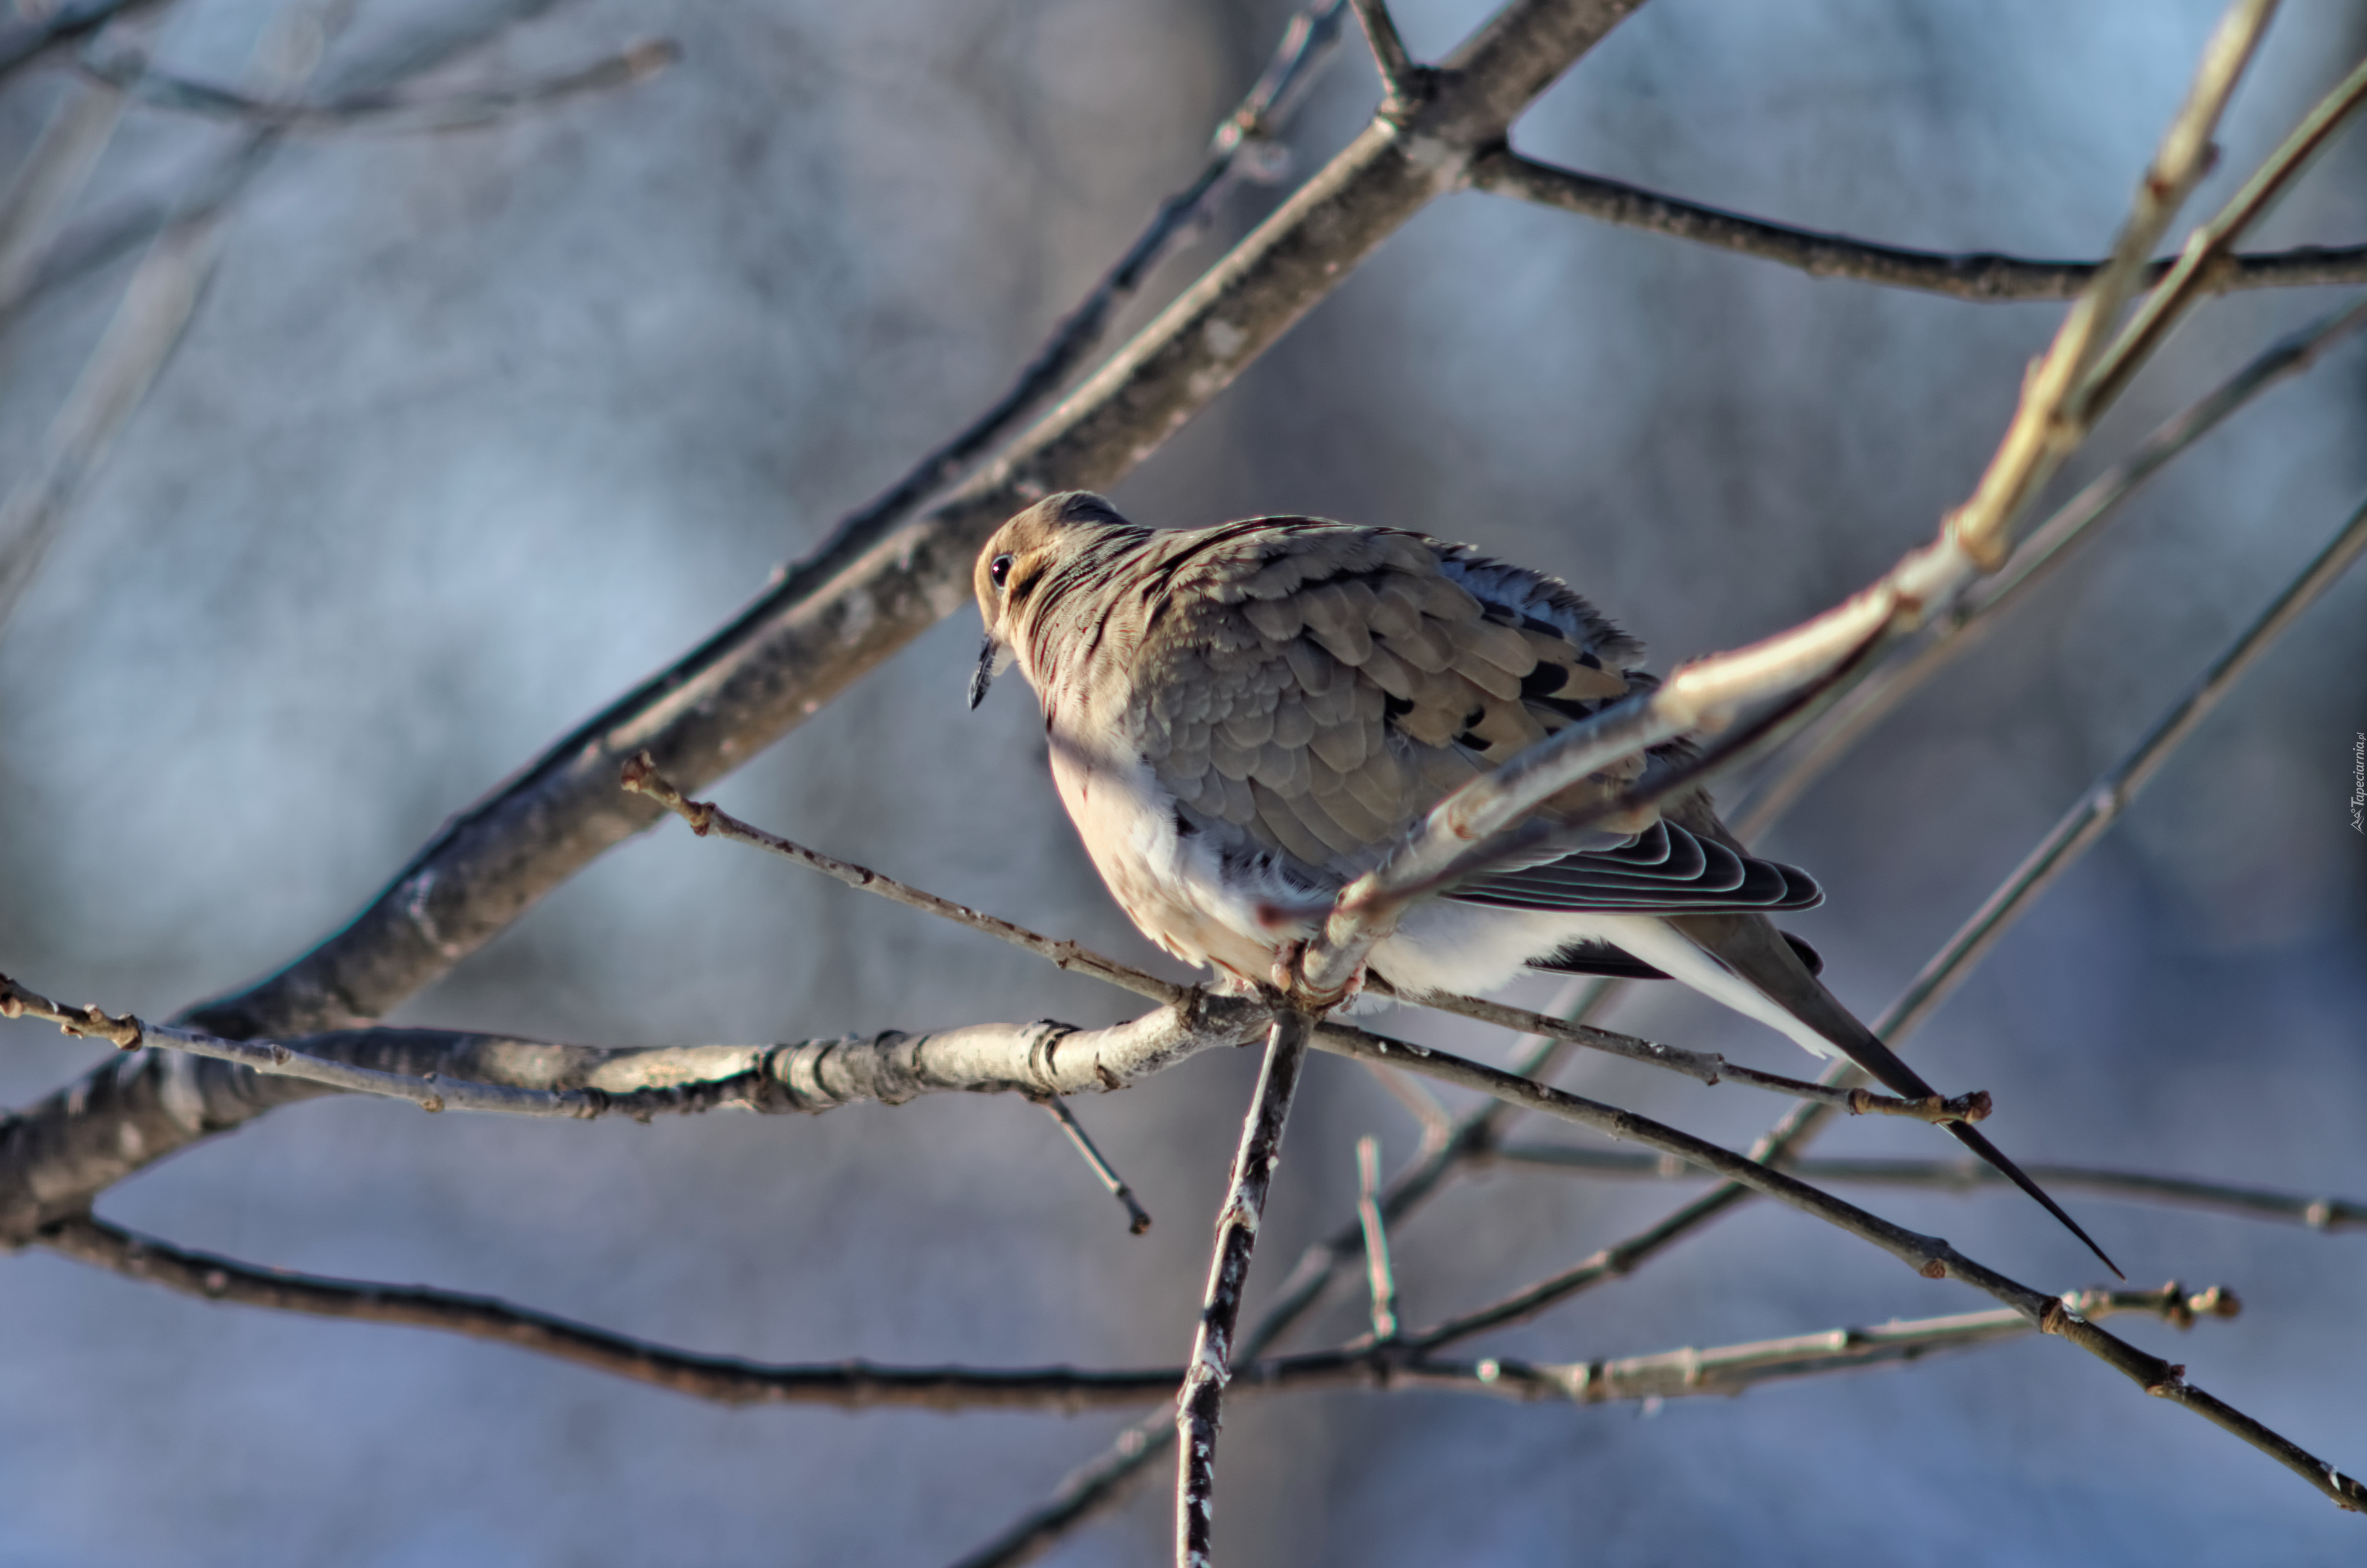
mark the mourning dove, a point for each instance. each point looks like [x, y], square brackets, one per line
[1245, 718]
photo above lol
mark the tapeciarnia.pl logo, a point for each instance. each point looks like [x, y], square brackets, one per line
[2359, 783]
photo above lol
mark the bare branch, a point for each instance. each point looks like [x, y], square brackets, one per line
[1199, 1403]
[1138, 1218]
[50, 180]
[1981, 276]
[2325, 1214]
[2059, 400]
[1400, 77]
[640, 777]
[856, 1385]
[382, 112]
[30, 41]
[452, 1069]
[2207, 249]
[724, 1379]
[1702, 1066]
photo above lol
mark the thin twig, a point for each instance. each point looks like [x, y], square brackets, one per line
[2060, 402]
[1381, 1280]
[1702, 1066]
[1199, 1403]
[1138, 1218]
[2328, 1215]
[380, 112]
[1399, 84]
[640, 777]
[2206, 252]
[28, 41]
[1982, 276]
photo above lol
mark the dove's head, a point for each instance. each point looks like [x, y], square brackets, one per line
[1027, 565]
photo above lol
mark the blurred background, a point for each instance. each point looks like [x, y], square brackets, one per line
[472, 430]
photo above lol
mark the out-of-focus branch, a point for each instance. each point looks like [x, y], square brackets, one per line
[2325, 1214]
[1380, 1279]
[99, 241]
[856, 1385]
[1981, 276]
[383, 112]
[51, 180]
[1200, 1400]
[28, 41]
[1967, 623]
[140, 340]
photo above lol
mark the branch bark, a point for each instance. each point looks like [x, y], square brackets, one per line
[859, 1385]
[1981, 277]
[1200, 1401]
[2324, 1214]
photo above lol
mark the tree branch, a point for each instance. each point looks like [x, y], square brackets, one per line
[384, 111]
[1199, 1402]
[858, 1385]
[2325, 1214]
[1138, 1218]
[1983, 276]
[30, 41]
[454, 1070]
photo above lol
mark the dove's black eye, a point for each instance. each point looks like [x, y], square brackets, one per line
[998, 570]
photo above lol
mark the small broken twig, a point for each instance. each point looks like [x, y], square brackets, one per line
[1137, 1217]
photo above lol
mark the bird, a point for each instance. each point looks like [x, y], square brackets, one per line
[1243, 719]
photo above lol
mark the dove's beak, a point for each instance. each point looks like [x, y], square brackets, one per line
[983, 676]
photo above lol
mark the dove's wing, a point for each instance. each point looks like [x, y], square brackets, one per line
[1312, 688]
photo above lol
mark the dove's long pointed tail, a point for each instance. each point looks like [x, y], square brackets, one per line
[1752, 947]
